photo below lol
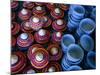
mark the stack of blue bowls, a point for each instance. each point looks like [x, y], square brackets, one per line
[78, 46]
[75, 15]
[74, 55]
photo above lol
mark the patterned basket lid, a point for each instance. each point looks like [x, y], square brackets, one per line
[52, 67]
[24, 14]
[42, 36]
[25, 39]
[25, 27]
[32, 49]
[55, 53]
[59, 25]
[36, 23]
[15, 28]
[39, 11]
[28, 4]
[57, 13]
[18, 61]
[40, 58]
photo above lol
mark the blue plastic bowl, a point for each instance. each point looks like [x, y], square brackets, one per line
[87, 26]
[91, 59]
[87, 42]
[66, 40]
[75, 53]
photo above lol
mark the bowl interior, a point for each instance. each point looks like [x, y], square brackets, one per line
[76, 53]
[68, 40]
